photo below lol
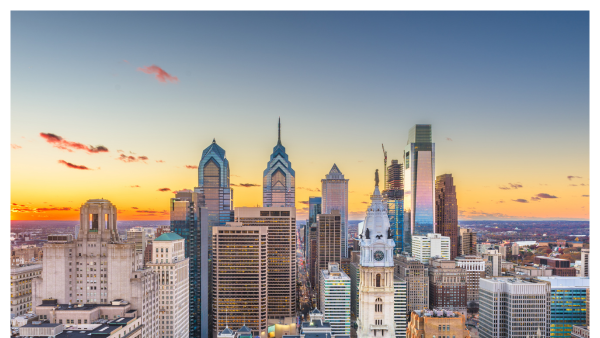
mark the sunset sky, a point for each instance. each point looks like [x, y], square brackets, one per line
[120, 105]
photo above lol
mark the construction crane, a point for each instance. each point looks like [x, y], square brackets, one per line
[384, 167]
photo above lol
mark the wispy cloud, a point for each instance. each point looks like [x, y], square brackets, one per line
[520, 200]
[159, 73]
[303, 202]
[191, 166]
[130, 158]
[585, 195]
[164, 189]
[535, 198]
[544, 195]
[74, 166]
[511, 186]
[134, 208]
[448, 139]
[308, 189]
[160, 161]
[135, 186]
[60, 143]
[15, 146]
[246, 185]
[572, 177]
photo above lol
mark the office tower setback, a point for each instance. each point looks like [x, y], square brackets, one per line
[394, 197]
[568, 303]
[400, 314]
[507, 303]
[585, 263]
[169, 262]
[437, 323]
[467, 242]
[328, 240]
[475, 269]
[240, 295]
[432, 245]
[189, 219]
[447, 286]
[419, 184]
[279, 179]
[416, 275]
[335, 298]
[446, 211]
[335, 197]
[281, 275]
[21, 287]
[376, 291]
[97, 267]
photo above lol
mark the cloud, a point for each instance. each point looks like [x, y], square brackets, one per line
[40, 210]
[135, 186]
[160, 161]
[130, 158]
[14, 204]
[125, 61]
[161, 75]
[573, 185]
[520, 200]
[448, 139]
[543, 195]
[246, 185]
[535, 198]
[303, 202]
[60, 143]
[572, 177]
[501, 201]
[55, 209]
[309, 189]
[583, 184]
[15, 146]
[134, 208]
[164, 189]
[511, 186]
[120, 151]
[585, 195]
[365, 202]
[191, 166]
[74, 166]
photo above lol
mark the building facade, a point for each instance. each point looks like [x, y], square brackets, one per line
[560, 267]
[493, 263]
[354, 287]
[416, 275]
[240, 294]
[328, 240]
[279, 179]
[437, 323]
[567, 304]
[467, 242]
[431, 245]
[419, 184]
[447, 286]
[400, 314]
[21, 287]
[138, 237]
[335, 299]
[376, 290]
[314, 209]
[394, 197]
[446, 211]
[335, 197]
[585, 263]
[172, 267]
[474, 267]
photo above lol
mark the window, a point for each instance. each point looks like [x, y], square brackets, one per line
[378, 280]
[378, 305]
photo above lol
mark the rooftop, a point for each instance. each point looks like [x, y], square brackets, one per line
[168, 236]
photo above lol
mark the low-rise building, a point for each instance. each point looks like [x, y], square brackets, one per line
[560, 267]
[21, 288]
[533, 271]
[124, 327]
[438, 323]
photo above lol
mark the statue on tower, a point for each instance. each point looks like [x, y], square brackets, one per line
[376, 177]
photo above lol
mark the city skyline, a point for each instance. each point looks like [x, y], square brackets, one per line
[115, 118]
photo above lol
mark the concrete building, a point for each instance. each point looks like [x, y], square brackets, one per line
[506, 303]
[281, 274]
[137, 236]
[493, 260]
[475, 269]
[81, 315]
[130, 327]
[437, 323]
[503, 249]
[533, 271]
[416, 275]
[467, 240]
[169, 262]
[21, 289]
[240, 269]
[335, 299]
[567, 304]
[560, 267]
[432, 245]
[585, 263]
[446, 211]
[335, 197]
[328, 240]
[580, 332]
[400, 312]
[515, 249]
[97, 268]
[447, 286]
[25, 255]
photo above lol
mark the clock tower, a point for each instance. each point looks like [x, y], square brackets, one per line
[376, 289]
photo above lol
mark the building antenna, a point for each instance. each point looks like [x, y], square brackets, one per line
[384, 167]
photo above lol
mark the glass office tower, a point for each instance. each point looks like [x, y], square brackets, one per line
[446, 211]
[568, 297]
[394, 197]
[314, 209]
[419, 184]
[335, 197]
[279, 179]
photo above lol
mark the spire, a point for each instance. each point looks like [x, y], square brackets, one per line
[279, 132]
[214, 141]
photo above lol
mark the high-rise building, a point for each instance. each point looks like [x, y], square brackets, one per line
[335, 298]
[419, 184]
[567, 304]
[189, 219]
[97, 267]
[416, 275]
[20, 287]
[240, 295]
[467, 242]
[394, 197]
[281, 275]
[493, 260]
[354, 287]
[335, 197]
[328, 240]
[446, 211]
[475, 269]
[515, 249]
[447, 286]
[314, 209]
[503, 249]
[376, 291]
[513, 307]
[169, 262]
[400, 299]
[431, 245]
[213, 183]
[437, 323]
[585, 263]
[312, 256]
[137, 236]
[279, 179]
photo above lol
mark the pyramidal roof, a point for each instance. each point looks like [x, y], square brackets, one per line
[226, 330]
[335, 173]
[214, 148]
[334, 170]
[244, 329]
[168, 236]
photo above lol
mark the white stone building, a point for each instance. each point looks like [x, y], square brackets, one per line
[432, 245]
[21, 289]
[335, 298]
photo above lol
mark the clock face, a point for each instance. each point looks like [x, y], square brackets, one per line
[378, 255]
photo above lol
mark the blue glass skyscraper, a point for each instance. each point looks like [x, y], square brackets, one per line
[394, 197]
[213, 182]
[568, 297]
[419, 184]
[279, 179]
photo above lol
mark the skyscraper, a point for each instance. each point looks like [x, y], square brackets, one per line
[279, 179]
[447, 286]
[400, 299]
[419, 184]
[432, 245]
[335, 197]
[568, 303]
[314, 209]
[334, 299]
[446, 211]
[468, 242]
[328, 240]
[416, 275]
[394, 197]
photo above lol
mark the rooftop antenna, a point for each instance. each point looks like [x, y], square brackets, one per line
[279, 131]
[384, 166]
